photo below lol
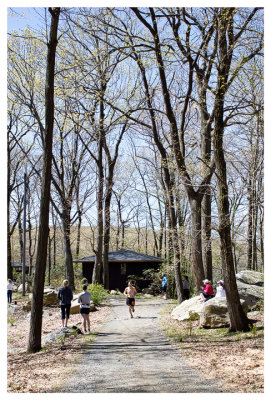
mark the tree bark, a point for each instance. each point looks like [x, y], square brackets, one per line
[238, 318]
[34, 340]
[98, 265]
[66, 226]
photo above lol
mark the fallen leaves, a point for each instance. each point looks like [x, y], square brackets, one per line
[236, 361]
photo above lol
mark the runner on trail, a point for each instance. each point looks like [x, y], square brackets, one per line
[130, 292]
[84, 300]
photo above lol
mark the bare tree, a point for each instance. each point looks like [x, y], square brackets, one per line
[34, 340]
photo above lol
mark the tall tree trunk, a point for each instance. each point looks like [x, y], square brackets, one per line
[10, 271]
[66, 226]
[261, 241]
[49, 264]
[78, 236]
[176, 248]
[238, 318]
[9, 266]
[21, 242]
[107, 204]
[34, 340]
[206, 235]
[255, 228]
[96, 276]
[195, 207]
[249, 226]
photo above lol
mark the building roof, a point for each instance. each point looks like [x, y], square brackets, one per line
[122, 256]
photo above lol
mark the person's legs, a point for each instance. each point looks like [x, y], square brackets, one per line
[68, 307]
[62, 307]
[204, 296]
[88, 322]
[130, 311]
[84, 322]
[9, 293]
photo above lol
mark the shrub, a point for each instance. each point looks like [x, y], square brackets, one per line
[98, 293]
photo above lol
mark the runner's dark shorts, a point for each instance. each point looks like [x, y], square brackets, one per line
[130, 301]
[65, 308]
[164, 288]
[84, 310]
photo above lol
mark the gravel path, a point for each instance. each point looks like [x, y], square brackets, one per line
[134, 355]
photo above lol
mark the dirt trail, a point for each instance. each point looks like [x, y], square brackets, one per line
[134, 355]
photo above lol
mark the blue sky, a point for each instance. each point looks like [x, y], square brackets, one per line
[18, 18]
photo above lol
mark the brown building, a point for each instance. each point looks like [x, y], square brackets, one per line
[122, 263]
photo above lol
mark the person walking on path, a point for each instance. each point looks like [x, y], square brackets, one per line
[65, 296]
[84, 300]
[9, 290]
[207, 291]
[130, 292]
[186, 288]
[220, 290]
[164, 286]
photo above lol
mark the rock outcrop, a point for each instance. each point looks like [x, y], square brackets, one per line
[251, 277]
[215, 313]
[49, 297]
[181, 312]
[250, 286]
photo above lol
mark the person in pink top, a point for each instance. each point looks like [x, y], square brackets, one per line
[206, 291]
[130, 292]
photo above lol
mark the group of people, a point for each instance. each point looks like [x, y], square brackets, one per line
[185, 287]
[207, 291]
[65, 296]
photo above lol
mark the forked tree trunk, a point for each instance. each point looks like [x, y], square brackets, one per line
[238, 318]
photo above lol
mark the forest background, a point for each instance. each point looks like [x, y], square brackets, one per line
[148, 211]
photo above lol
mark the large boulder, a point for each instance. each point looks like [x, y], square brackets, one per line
[181, 312]
[49, 297]
[215, 313]
[251, 277]
[75, 307]
[250, 293]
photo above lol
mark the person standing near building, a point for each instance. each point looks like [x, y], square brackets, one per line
[9, 290]
[186, 288]
[164, 286]
[84, 300]
[65, 296]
